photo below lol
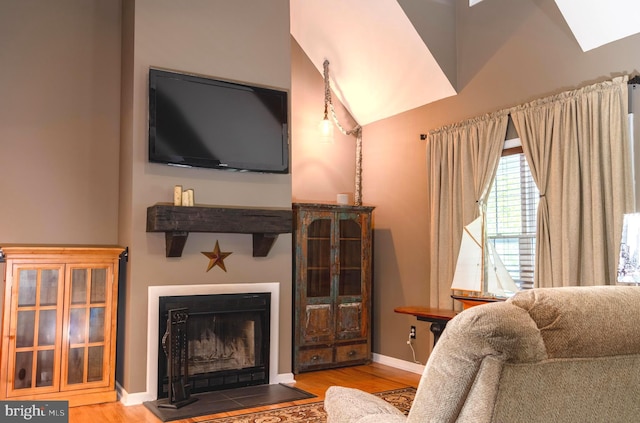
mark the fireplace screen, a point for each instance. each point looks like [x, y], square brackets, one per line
[222, 342]
[228, 340]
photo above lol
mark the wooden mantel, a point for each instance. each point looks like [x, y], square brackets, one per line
[177, 221]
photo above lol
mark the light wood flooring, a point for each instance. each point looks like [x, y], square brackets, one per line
[371, 378]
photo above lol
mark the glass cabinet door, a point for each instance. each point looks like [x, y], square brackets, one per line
[34, 349]
[349, 318]
[319, 258]
[350, 280]
[317, 311]
[84, 346]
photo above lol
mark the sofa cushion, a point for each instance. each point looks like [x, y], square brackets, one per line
[575, 390]
[594, 323]
[501, 331]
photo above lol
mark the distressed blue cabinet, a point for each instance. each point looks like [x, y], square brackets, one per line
[332, 271]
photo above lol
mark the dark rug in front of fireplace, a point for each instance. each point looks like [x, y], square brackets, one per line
[229, 400]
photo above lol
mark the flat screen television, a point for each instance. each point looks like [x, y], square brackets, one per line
[202, 122]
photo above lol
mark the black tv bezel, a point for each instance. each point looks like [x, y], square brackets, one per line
[196, 162]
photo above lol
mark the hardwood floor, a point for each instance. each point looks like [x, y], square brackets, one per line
[371, 378]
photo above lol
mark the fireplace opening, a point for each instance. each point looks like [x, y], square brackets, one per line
[227, 340]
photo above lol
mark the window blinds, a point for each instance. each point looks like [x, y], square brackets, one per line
[511, 217]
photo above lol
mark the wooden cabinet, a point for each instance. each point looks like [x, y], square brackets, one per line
[332, 253]
[59, 324]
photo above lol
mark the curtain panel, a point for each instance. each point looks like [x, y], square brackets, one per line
[461, 163]
[577, 146]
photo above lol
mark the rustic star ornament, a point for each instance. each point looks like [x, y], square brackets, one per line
[216, 258]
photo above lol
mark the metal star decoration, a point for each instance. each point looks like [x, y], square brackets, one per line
[216, 258]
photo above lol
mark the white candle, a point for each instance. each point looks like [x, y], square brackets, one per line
[177, 195]
[190, 197]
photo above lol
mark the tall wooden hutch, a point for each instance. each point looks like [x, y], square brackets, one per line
[332, 299]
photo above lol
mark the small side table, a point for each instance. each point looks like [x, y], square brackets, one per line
[438, 317]
[468, 302]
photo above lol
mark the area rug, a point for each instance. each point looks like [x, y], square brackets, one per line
[229, 400]
[314, 412]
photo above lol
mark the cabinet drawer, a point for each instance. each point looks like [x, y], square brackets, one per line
[352, 352]
[315, 357]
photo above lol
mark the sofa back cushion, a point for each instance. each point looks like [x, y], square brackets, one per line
[538, 338]
[585, 321]
[569, 390]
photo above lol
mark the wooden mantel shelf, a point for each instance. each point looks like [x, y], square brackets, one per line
[176, 222]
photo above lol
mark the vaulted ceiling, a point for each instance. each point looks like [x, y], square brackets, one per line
[390, 56]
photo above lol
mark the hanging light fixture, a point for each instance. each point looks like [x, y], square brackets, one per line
[326, 131]
[326, 126]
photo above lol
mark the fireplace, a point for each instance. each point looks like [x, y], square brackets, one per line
[228, 340]
[154, 352]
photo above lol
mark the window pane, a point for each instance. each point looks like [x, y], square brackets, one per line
[75, 370]
[78, 286]
[47, 328]
[49, 287]
[98, 285]
[27, 288]
[77, 325]
[96, 324]
[44, 368]
[511, 217]
[23, 369]
[25, 329]
[95, 364]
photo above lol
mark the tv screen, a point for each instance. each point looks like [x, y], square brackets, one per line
[202, 122]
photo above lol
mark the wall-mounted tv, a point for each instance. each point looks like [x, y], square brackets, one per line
[203, 122]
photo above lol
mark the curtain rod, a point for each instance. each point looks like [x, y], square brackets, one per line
[633, 81]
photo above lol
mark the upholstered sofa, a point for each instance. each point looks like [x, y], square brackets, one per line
[545, 355]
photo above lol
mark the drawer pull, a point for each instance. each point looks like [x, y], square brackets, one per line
[315, 357]
[351, 353]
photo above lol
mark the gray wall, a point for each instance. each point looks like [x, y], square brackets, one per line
[59, 121]
[239, 40]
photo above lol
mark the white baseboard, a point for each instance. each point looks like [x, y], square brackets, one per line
[132, 399]
[398, 364]
[284, 378]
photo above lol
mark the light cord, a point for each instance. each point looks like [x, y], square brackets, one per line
[356, 131]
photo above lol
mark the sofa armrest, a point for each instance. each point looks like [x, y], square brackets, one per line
[348, 405]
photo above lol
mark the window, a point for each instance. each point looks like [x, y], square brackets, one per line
[511, 216]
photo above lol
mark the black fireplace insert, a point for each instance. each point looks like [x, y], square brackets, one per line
[228, 340]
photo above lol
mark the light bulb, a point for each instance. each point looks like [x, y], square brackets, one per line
[326, 131]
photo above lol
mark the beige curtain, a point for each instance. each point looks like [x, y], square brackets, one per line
[461, 163]
[577, 146]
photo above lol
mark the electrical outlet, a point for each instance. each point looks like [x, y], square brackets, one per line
[412, 333]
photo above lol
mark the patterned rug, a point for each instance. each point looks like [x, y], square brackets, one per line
[314, 412]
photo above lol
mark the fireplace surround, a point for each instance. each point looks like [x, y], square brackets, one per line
[154, 294]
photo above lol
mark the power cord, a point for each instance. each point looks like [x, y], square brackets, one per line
[410, 344]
